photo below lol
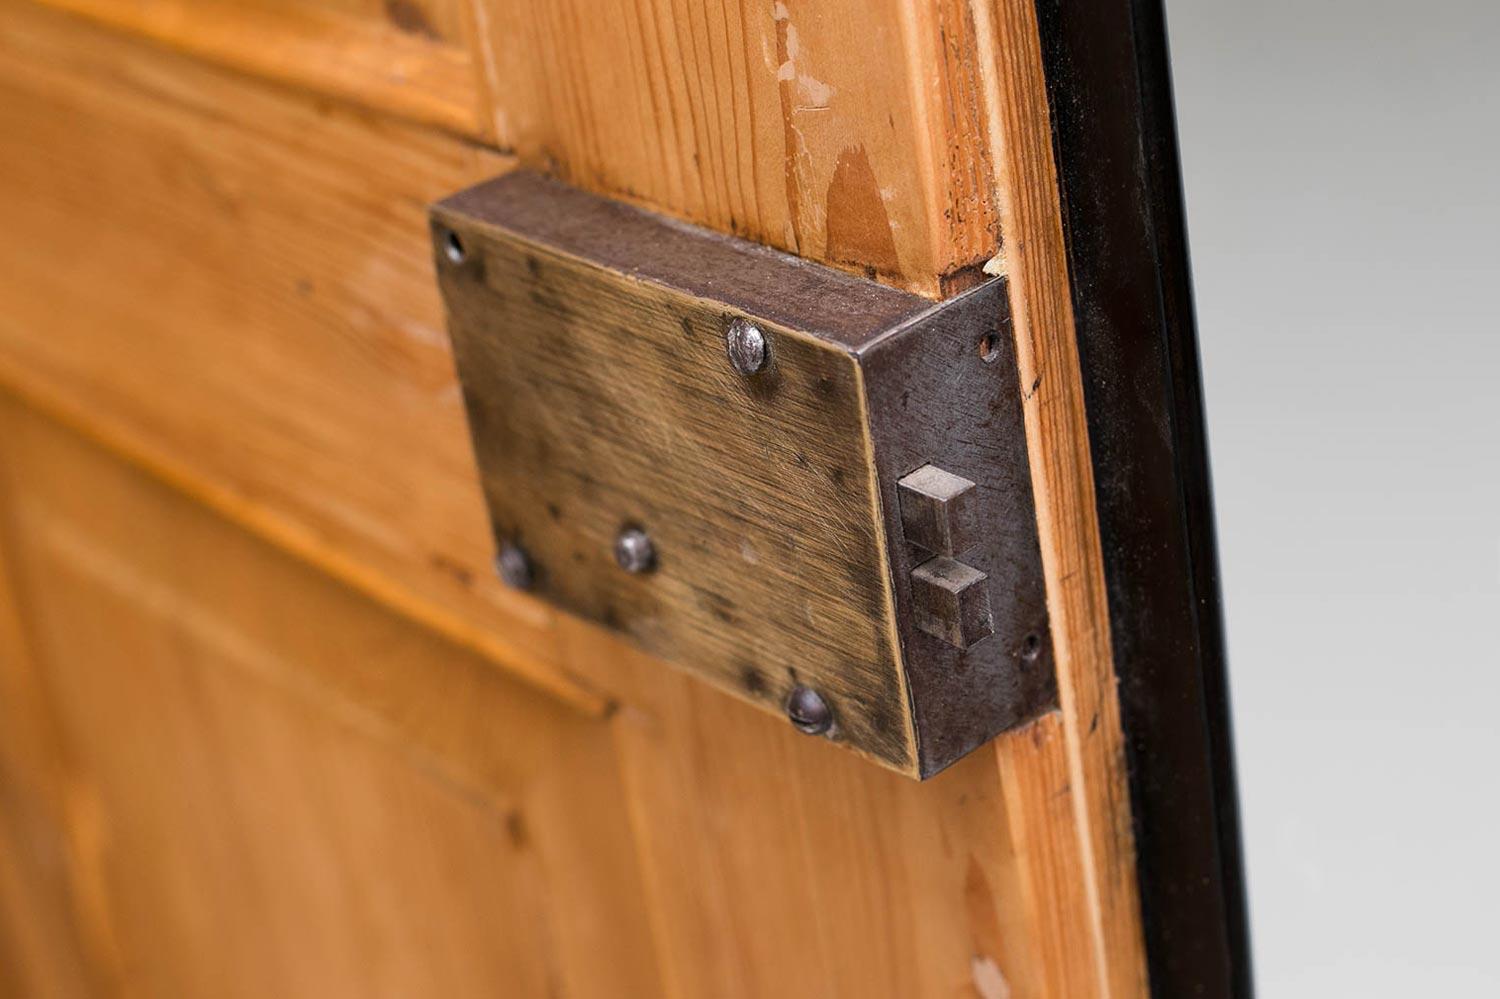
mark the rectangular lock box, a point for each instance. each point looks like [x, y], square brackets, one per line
[720, 451]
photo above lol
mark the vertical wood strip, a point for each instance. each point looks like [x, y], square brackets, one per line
[845, 131]
[1099, 887]
[56, 936]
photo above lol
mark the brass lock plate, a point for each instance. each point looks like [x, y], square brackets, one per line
[808, 489]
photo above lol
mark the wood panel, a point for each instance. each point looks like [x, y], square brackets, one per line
[848, 131]
[246, 749]
[261, 323]
[210, 293]
[843, 130]
[277, 789]
[413, 58]
[42, 949]
[778, 865]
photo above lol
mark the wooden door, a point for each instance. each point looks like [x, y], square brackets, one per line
[269, 724]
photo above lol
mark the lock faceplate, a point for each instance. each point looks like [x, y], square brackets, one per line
[701, 443]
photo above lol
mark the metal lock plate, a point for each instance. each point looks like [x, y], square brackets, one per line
[776, 476]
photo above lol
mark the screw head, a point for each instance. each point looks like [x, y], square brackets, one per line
[747, 346]
[808, 711]
[453, 247]
[514, 566]
[634, 551]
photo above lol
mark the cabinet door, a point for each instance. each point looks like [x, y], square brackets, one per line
[270, 724]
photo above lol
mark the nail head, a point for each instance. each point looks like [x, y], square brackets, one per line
[514, 566]
[808, 711]
[748, 350]
[634, 551]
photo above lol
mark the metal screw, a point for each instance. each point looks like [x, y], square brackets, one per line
[453, 248]
[634, 551]
[514, 566]
[808, 711]
[748, 350]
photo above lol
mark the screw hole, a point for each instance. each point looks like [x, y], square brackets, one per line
[453, 248]
[1031, 647]
[989, 348]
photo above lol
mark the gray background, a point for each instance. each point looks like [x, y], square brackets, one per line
[1340, 163]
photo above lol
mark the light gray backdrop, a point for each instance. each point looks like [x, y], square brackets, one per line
[1341, 172]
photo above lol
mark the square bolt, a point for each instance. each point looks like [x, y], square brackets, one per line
[939, 510]
[951, 601]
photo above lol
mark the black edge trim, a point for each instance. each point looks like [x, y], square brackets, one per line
[1109, 86]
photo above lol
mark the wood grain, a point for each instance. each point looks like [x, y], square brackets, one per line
[1085, 857]
[311, 390]
[292, 735]
[277, 789]
[777, 865]
[413, 58]
[843, 131]
[191, 276]
[847, 131]
[43, 951]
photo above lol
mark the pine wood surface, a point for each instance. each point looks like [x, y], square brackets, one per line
[413, 58]
[273, 788]
[226, 281]
[847, 131]
[1089, 736]
[269, 780]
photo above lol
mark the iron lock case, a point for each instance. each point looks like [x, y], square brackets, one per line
[771, 431]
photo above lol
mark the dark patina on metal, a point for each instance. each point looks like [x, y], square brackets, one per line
[841, 517]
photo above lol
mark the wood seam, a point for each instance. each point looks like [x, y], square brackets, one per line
[302, 544]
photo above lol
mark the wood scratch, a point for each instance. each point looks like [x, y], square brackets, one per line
[988, 981]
